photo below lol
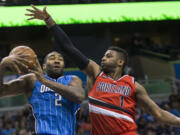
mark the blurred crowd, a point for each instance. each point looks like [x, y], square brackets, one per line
[141, 43]
[20, 122]
[16, 123]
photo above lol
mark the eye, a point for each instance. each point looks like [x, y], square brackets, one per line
[108, 55]
[60, 59]
[51, 58]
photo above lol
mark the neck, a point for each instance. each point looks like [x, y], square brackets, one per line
[115, 75]
[54, 76]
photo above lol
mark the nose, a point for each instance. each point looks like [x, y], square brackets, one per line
[57, 61]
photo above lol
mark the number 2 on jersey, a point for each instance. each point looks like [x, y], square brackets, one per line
[58, 99]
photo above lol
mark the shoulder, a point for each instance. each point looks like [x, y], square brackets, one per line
[72, 77]
[76, 80]
[138, 85]
[140, 88]
[129, 77]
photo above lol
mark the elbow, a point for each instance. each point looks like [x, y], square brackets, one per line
[159, 115]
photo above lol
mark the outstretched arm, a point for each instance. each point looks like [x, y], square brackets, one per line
[23, 84]
[151, 107]
[88, 66]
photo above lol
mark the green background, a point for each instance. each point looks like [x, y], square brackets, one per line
[95, 13]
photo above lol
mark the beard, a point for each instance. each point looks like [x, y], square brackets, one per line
[105, 70]
[54, 73]
[108, 68]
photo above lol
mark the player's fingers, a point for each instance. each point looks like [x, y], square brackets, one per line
[37, 62]
[33, 66]
[15, 68]
[31, 18]
[24, 55]
[32, 71]
[30, 10]
[44, 9]
[35, 8]
[23, 60]
[23, 68]
[29, 14]
[22, 65]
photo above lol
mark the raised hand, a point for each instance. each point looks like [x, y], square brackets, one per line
[36, 13]
[15, 63]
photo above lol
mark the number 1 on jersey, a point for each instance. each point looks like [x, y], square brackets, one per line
[121, 101]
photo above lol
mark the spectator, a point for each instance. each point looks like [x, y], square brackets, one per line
[8, 129]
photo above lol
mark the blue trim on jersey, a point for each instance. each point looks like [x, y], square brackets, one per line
[54, 114]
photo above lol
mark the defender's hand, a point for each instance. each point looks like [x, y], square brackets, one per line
[36, 13]
[14, 62]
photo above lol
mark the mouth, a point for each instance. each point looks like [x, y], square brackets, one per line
[102, 63]
[57, 67]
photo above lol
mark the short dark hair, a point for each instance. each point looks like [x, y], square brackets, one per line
[123, 53]
[45, 58]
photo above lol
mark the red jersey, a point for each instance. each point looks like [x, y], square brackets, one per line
[121, 92]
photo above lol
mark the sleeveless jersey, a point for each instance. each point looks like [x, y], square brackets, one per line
[54, 114]
[108, 121]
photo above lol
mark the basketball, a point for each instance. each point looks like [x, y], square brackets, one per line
[25, 50]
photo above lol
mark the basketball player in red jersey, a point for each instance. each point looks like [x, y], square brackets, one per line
[112, 95]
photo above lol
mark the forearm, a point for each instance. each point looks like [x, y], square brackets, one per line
[66, 45]
[75, 94]
[49, 22]
[168, 118]
[7, 90]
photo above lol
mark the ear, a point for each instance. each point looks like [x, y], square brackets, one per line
[120, 62]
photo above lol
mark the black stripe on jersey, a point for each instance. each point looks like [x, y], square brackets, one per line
[105, 104]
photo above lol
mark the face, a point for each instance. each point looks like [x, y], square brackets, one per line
[54, 65]
[111, 61]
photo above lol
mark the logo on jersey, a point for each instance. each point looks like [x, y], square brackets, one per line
[113, 88]
[45, 89]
